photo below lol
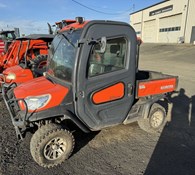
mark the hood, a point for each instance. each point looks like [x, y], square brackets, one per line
[22, 75]
[12, 69]
[17, 70]
[41, 86]
[35, 87]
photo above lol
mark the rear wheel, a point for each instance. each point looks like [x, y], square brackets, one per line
[51, 145]
[156, 120]
[38, 65]
[40, 61]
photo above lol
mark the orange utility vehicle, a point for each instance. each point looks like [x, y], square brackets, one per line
[59, 25]
[25, 59]
[6, 38]
[93, 81]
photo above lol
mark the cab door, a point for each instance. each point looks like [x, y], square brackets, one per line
[105, 82]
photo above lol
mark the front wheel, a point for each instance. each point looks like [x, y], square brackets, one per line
[51, 145]
[156, 120]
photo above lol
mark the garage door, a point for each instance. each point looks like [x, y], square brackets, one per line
[150, 31]
[170, 29]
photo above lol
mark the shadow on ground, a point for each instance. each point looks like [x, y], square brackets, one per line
[83, 139]
[175, 150]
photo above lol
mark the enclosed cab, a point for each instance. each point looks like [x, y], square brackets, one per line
[92, 81]
[6, 38]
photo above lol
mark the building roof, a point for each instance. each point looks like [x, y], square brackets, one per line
[149, 7]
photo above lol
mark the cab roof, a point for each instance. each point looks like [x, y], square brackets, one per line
[45, 37]
[75, 25]
[6, 31]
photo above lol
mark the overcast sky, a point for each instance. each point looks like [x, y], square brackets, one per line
[31, 16]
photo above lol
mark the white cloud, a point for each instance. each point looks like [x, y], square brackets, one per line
[26, 26]
[2, 5]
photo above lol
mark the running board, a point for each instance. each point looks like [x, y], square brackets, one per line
[133, 114]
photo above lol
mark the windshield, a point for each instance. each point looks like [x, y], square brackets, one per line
[62, 55]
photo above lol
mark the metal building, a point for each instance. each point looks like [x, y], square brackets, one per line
[169, 21]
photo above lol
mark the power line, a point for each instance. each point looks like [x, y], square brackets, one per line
[98, 11]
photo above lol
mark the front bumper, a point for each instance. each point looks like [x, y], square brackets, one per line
[18, 120]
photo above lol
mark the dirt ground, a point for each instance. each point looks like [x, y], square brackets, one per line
[124, 150]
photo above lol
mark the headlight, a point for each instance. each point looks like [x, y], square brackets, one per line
[11, 76]
[37, 101]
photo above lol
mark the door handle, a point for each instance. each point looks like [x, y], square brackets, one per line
[81, 94]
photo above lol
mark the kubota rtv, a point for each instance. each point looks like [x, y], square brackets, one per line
[93, 81]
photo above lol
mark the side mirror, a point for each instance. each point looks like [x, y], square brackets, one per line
[100, 46]
[139, 41]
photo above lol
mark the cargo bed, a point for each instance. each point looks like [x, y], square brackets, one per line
[153, 83]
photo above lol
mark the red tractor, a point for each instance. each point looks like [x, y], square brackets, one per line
[24, 72]
[25, 59]
[93, 81]
[59, 25]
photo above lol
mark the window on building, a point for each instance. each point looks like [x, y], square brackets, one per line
[112, 60]
[177, 28]
[170, 29]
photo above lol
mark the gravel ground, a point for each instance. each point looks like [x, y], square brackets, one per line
[123, 149]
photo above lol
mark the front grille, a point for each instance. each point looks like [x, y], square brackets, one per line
[11, 99]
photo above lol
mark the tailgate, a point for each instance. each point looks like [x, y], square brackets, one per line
[157, 83]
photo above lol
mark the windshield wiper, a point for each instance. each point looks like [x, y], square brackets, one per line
[68, 40]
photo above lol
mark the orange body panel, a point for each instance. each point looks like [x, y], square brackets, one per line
[22, 75]
[74, 26]
[11, 53]
[108, 94]
[156, 87]
[67, 21]
[2, 46]
[41, 86]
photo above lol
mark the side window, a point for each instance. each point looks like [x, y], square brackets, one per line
[112, 59]
[9, 36]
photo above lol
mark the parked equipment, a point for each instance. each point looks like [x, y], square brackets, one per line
[93, 81]
[6, 38]
[59, 25]
[23, 51]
